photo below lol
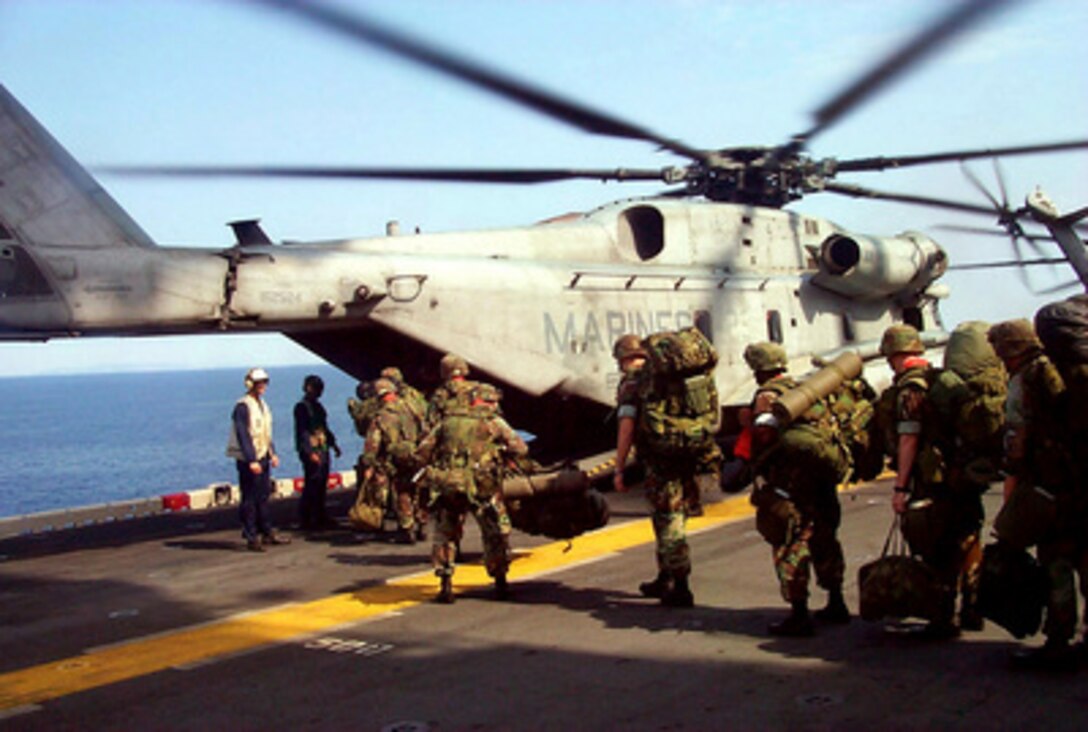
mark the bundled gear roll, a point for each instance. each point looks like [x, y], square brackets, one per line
[558, 504]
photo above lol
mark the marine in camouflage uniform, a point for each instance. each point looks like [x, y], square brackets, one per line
[388, 456]
[363, 407]
[455, 391]
[467, 451]
[796, 494]
[1037, 455]
[912, 438]
[416, 404]
[670, 481]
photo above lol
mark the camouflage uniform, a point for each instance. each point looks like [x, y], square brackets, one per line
[669, 481]
[416, 404]
[388, 455]
[906, 412]
[466, 451]
[413, 399]
[1037, 455]
[798, 471]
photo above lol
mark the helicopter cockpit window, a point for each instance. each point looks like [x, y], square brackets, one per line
[642, 230]
[774, 326]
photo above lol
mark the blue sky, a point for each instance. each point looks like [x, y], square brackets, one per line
[124, 82]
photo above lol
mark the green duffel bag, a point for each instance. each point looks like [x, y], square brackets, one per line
[1029, 517]
[897, 585]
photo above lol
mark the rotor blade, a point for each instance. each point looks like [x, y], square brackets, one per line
[1014, 263]
[998, 208]
[859, 192]
[363, 29]
[960, 18]
[903, 161]
[983, 231]
[462, 175]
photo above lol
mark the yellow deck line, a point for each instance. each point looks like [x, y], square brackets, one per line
[208, 641]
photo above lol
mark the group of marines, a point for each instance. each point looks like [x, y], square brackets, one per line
[446, 455]
[794, 484]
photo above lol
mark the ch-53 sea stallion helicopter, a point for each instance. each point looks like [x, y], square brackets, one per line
[535, 309]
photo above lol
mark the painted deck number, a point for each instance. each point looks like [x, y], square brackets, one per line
[345, 645]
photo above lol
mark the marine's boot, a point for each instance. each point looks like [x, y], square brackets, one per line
[971, 618]
[942, 628]
[836, 612]
[445, 592]
[655, 587]
[798, 624]
[1053, 656]
[678, 594]
[502, 588]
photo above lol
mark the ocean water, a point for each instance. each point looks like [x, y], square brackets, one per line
[68, 441]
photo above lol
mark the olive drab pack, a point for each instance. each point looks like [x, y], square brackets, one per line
[852, 406]
[680, 409]
[1063, 329]
[968, 396]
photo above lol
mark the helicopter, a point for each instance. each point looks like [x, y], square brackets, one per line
[533, 308]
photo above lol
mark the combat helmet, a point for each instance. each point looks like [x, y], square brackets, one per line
[383, 387]
[1014, 338]
[901, 338]
[452, 365]
[487, 393]
[627, 346]
[765, 357]
[393, 374]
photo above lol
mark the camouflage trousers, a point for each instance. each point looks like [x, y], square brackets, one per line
[811, 542]
[403, 496]
[669, 488]
[490, 514]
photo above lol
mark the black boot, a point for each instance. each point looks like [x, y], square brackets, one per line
[502, 588]
[678, 594]
[836, 612]
[1053, 656]
[798, 624]
[656, 587]
[445, 592]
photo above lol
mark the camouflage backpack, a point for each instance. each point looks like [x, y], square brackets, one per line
[968, 398]
[680, 410]
[1063, 329]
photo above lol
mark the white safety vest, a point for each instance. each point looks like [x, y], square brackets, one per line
[260, 429]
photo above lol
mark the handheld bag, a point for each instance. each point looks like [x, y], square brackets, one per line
[1012, 589]
[369, 509]
[898, 585]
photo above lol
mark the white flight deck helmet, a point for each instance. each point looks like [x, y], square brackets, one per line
[255, 376]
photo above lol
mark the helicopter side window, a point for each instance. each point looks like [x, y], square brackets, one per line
[642, 229]
[702, 322]
[774, 326]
